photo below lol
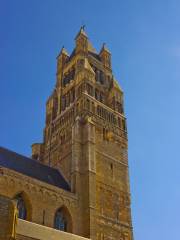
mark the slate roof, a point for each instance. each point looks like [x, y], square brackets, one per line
[32, 168]
[72, 54]
[95, 55]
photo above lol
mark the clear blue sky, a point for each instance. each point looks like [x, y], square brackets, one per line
[144, 38]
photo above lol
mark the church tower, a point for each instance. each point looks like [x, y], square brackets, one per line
[85, 138]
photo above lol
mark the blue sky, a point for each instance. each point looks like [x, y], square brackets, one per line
[144, 39]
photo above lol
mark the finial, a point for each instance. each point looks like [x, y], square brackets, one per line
[104, 48]
[81, 31]
[63, 51]
[82, 28]
[83, 24]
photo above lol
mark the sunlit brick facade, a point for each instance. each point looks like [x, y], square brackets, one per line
[85, 138]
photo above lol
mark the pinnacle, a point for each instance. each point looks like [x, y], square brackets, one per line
[63, 51]
[81, 32]
[104, 48]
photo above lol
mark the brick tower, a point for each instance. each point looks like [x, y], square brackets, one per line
[85, 137]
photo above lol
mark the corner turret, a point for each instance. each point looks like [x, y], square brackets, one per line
[82, 41]
[105, 56]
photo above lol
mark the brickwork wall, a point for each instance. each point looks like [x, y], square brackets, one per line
[112, 189]
[42, 200]
[12, 228]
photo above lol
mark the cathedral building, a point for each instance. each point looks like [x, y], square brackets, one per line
[77, 179]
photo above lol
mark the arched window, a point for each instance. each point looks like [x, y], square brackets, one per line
[60, 221]
[22, 211]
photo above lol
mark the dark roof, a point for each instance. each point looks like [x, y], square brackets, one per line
[32, 168]
[72, 54]
[95, 55]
